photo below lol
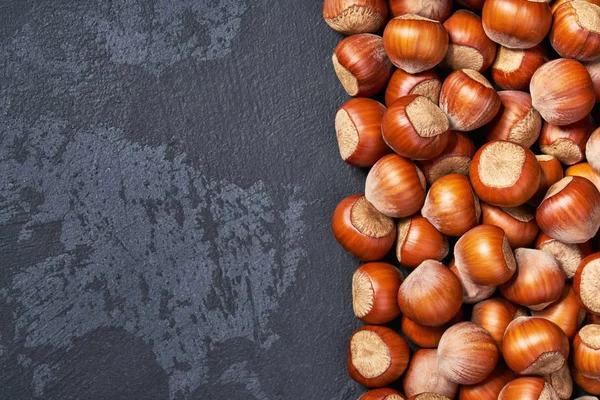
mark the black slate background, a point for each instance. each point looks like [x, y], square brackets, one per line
[168, 169]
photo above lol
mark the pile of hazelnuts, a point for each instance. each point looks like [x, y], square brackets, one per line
[483, 185]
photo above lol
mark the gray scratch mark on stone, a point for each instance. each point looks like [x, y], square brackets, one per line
[159, 33]
[175, 258]
[239, 373]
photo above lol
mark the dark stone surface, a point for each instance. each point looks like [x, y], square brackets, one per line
[167, 174]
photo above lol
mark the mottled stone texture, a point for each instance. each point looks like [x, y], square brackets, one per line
[168, 169]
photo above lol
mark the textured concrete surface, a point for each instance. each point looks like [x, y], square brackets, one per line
[168, 169]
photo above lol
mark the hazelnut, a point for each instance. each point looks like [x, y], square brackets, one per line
[566, 312]
[355, 16]
[504, 174]
[415, 128]
[418, 241]
[395, 186]
[494, 315]
[586, 283]
[568, 255]
[490, 388]
[570, 212]
[431, 295]
[469, 47]
[358, 132]
[472, 292]
[586, 351]
[586, 171]
[517, 24]
[518, 223]
[361, 64]
[517, 121]
[469, 100]
[451, 206]
[566, 142]
[426, 83]
[551, 171]
[377, 356]
[438, 10]
[362, 231]
[467, 354]
[592, 150]
[575, 30]
[561, 382]
[534, 346]
[513, 68]
[528, 388]
[382, 394]
[455, 159]
[562, 91]
[414, 43]
[374, 292]
[537, 282]
[423, 375]
[484, 256]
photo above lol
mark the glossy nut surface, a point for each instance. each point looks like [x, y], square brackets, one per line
[426, 83]
[513, 68]
[377, 356]
[451, 206]
[586, 283]
[415, 128]
[528, 388]
[414, 43]
[362, 231]
[361, 64]
[469, 47]
[517, 121]
[494, 315]
[517, 24]
[395, 186]
[355, 16]
[570, 212]
[567, 142]
[358, 132]
[374, 292]
[484, 255]
[438, 10]
[537, 282]
[423, 375]
[418, 240]
[467, 354]
[534, 346]
[469, 100]
[504, 174]
[431, 295]
[562, 91]
[566, 312]
[518, 223]
[575, 30]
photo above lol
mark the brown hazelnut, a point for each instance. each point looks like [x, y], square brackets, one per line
[414, 43]
[362, 65]
[566, 142]
[415, 128]
[513, 68]
[358, 132]
[562, 91]
[517, 121]
[469, 47]
[355, 16]
[467, 354]
[469, 100]
[455, 159]
[426, 83]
